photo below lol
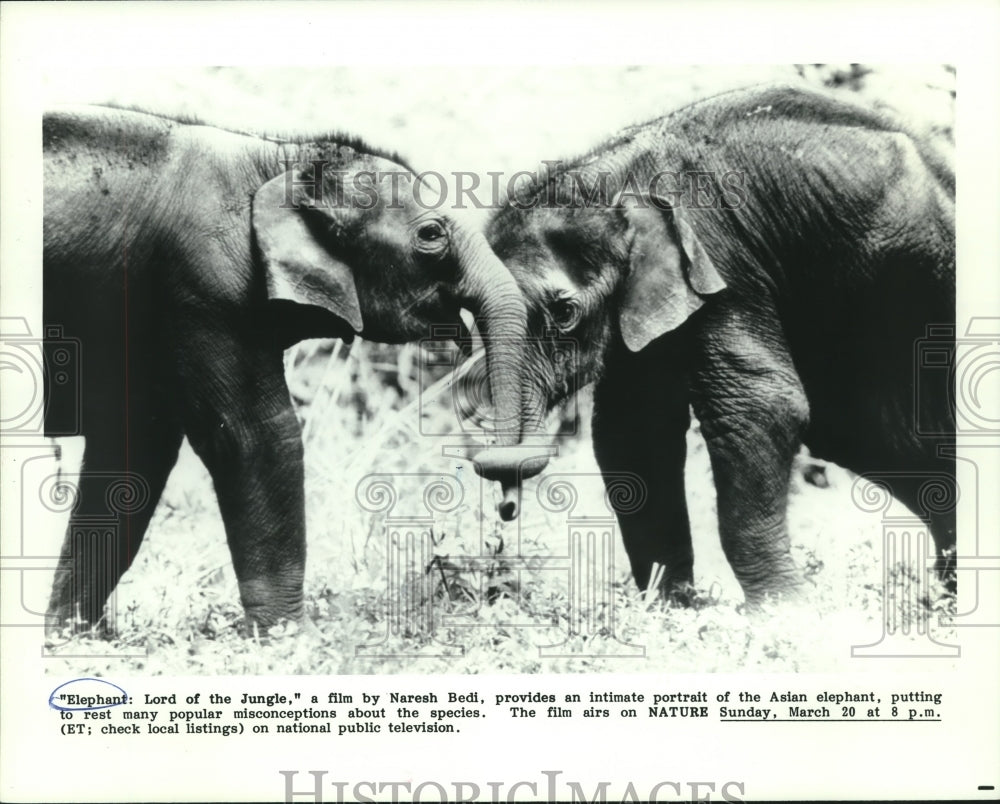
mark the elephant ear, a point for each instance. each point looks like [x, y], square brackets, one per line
[296, 265]
[670, 272]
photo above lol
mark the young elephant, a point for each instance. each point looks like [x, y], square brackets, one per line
[184, 259]
[772, 258]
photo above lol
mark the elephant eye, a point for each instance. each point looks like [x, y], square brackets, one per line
[429, 232]
[565, 313]
[431, 240]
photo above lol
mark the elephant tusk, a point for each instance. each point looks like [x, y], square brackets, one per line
[466, 341]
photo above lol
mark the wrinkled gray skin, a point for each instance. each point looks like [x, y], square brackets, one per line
[173, 255]
[787, 311]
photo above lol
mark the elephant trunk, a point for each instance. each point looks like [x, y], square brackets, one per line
[491, 292]
[533, 461]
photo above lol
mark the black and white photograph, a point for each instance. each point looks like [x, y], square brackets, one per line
[359, 412]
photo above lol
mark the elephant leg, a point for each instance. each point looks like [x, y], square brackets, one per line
[932, 495]
[753, 411]
[640, 424]
[239, 418]
[126, 462]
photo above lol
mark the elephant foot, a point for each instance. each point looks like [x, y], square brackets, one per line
[74, 610]
[268, 604]
[792, 590]
[679, 593]
[62, 624]
[281, 629]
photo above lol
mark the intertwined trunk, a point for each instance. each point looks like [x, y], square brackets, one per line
[490, 291]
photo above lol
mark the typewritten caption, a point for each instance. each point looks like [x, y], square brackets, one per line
[92, 707]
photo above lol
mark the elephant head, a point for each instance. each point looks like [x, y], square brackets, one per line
[356, 239]
[596, 276]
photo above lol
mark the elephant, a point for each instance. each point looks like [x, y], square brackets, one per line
[183, 259]
[772, 259]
